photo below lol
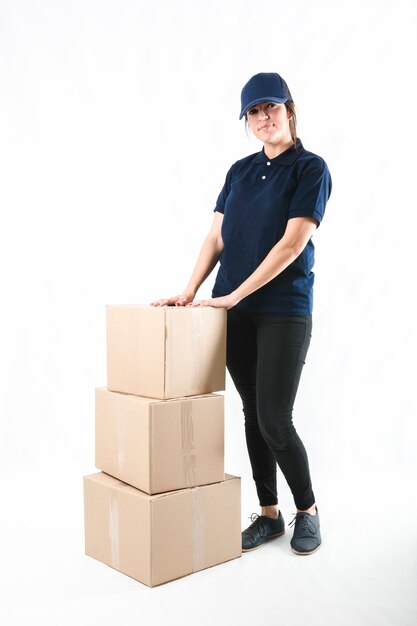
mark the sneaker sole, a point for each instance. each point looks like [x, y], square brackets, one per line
[261, 544]
[305, 553]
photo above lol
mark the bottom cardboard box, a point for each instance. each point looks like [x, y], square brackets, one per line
[161, 537]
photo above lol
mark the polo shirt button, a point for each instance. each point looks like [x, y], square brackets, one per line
[268, 163]
[263, 177]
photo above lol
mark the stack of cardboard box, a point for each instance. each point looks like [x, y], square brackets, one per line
[162, 507]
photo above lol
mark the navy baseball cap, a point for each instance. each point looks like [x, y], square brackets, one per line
[266, 86]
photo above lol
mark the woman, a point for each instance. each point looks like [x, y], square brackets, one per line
[271, 203]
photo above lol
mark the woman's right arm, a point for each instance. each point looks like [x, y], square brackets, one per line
[207, 260]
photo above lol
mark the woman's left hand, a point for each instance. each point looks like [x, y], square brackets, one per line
[226, 302]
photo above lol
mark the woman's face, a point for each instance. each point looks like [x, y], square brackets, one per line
[269, 122]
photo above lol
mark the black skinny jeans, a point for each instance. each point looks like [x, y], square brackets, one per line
[265, 357]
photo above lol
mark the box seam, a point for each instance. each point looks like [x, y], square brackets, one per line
[165, 353]
[151, 568]
[150, 459]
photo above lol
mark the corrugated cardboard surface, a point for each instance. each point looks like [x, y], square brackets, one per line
[136, 349]
[116, 532]
[155, 539]
[160, 445]
[199, 333]
[187, 442]
[166, 352]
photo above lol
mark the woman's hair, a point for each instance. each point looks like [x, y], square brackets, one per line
[290, 106]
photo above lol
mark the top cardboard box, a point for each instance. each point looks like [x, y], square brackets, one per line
[166, 352]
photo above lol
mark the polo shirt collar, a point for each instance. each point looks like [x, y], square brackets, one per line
[285, 158]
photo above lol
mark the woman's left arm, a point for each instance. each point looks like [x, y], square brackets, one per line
[299, 230]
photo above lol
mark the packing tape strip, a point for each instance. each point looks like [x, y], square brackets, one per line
[198, 530]
[120, 434]
[114, 533]
[187, 443]
[196, 351]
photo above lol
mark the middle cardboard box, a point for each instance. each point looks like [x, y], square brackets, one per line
[160, 445]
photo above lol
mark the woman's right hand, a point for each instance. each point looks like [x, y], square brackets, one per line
[181, 300]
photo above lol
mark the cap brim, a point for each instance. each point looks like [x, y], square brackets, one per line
[263, 99]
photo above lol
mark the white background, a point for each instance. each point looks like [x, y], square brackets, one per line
[118, 122]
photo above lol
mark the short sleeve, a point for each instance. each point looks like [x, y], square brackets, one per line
[221, 200]
[313, 191]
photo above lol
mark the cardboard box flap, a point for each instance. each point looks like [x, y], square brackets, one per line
[149, 400]
[106, 479]
[142, 399]
[167, 494]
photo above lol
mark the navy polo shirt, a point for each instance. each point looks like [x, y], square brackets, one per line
[258, 198]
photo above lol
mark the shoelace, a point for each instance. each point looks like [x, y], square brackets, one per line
[304, 520]
[256, 521]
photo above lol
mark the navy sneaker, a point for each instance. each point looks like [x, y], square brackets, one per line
[306, 538]
[262, 529]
